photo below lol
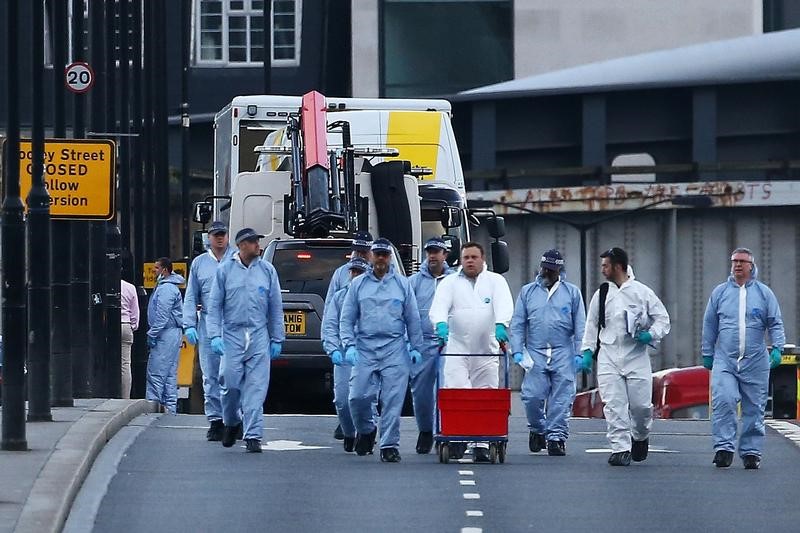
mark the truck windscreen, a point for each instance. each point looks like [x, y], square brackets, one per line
[308, 270]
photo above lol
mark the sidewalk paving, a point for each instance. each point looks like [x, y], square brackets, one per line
[38, 486]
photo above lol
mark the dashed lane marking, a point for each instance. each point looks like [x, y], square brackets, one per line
[472, 496]
[788, 430]
[469, 482]
[471, 530]
[465, 472]
[475, 513]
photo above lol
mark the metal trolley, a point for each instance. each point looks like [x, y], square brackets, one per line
[472, 415]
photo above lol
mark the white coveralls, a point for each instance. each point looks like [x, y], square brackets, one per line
[471, 309]
[624, 374]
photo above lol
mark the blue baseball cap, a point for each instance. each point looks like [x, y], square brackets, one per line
[358, 263]
[553, 260]
[217, 227]
[362, 240]
[247, 234]
[381, 245]
[436, 243]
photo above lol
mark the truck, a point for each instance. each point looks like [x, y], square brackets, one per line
[308, 172]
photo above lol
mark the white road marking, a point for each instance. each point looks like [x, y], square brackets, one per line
[288, 445]
[469, 482]
[465, 473]
[472, 496]
[609, 450]
[787, 429]
[474, 513]
[471, 530]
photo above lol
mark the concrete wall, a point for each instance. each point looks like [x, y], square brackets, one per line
[555, 34]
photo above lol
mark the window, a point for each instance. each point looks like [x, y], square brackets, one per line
[232, 32]
[435, 47]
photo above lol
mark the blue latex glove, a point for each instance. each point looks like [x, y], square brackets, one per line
[351, 355]
[500, 333]
[644, 337]
[217, 346]
[443, 332]
[336, 357]
[708, 361]
[577, 362]
[151, 341]
[586, 361]
[774, 357]
[275, 350]
[517, 357]
[415, 356]
[191, 335]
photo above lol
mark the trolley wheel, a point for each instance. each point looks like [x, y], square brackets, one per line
[501, 452]
[444, 453]
[493, 453]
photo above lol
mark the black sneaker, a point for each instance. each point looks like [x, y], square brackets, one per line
[480, 455]
[230, 435]
[214, 433]
[349, 444]
[253, 445]
[620, 459]
[536, 442]
[390, 455]
[457, 449]
[365, 443]
[639, 450]
[338, 434]
[723, 458]
[424, 442]
[751, 462]
[556, 448]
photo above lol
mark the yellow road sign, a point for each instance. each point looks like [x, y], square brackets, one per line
[150, 277]
[79, 175]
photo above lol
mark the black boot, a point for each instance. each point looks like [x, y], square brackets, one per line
[556, 448]
[457, 449]
[639, 450]
[214, 433]
[349, 444]
[253, 445]
[365, 443]
[480, 455]
[620, 459]
[390, 455]
[536, 442]
[338, 434]
[424, 442]
[751, 462]
[723, 458]
[231, 434]
[240, 431]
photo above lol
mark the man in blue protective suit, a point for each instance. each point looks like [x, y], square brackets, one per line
[739, 313]
[549, 319]
[245, 323]
[423, 375]
[195, 310]
[164, 336]
[378, 314]
[334, 348]
[362, 240]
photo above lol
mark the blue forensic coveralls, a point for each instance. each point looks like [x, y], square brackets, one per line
[164, 316]
[377, 317]
[339, 280]
[734, 325]
[549, 323]
[423, 375]
[195, 303]
[341, 373]
[246, 310]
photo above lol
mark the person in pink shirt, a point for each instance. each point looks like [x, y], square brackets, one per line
[130, 323]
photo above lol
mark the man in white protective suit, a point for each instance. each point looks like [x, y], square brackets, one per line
[634, 319]
[471, 312]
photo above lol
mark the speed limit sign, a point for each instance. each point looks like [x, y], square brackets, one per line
[79, 77]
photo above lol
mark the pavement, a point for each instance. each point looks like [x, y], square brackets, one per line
[39, 485]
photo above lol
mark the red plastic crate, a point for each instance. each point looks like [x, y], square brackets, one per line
[474, 412]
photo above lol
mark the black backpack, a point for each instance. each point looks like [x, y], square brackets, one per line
[601, 315]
